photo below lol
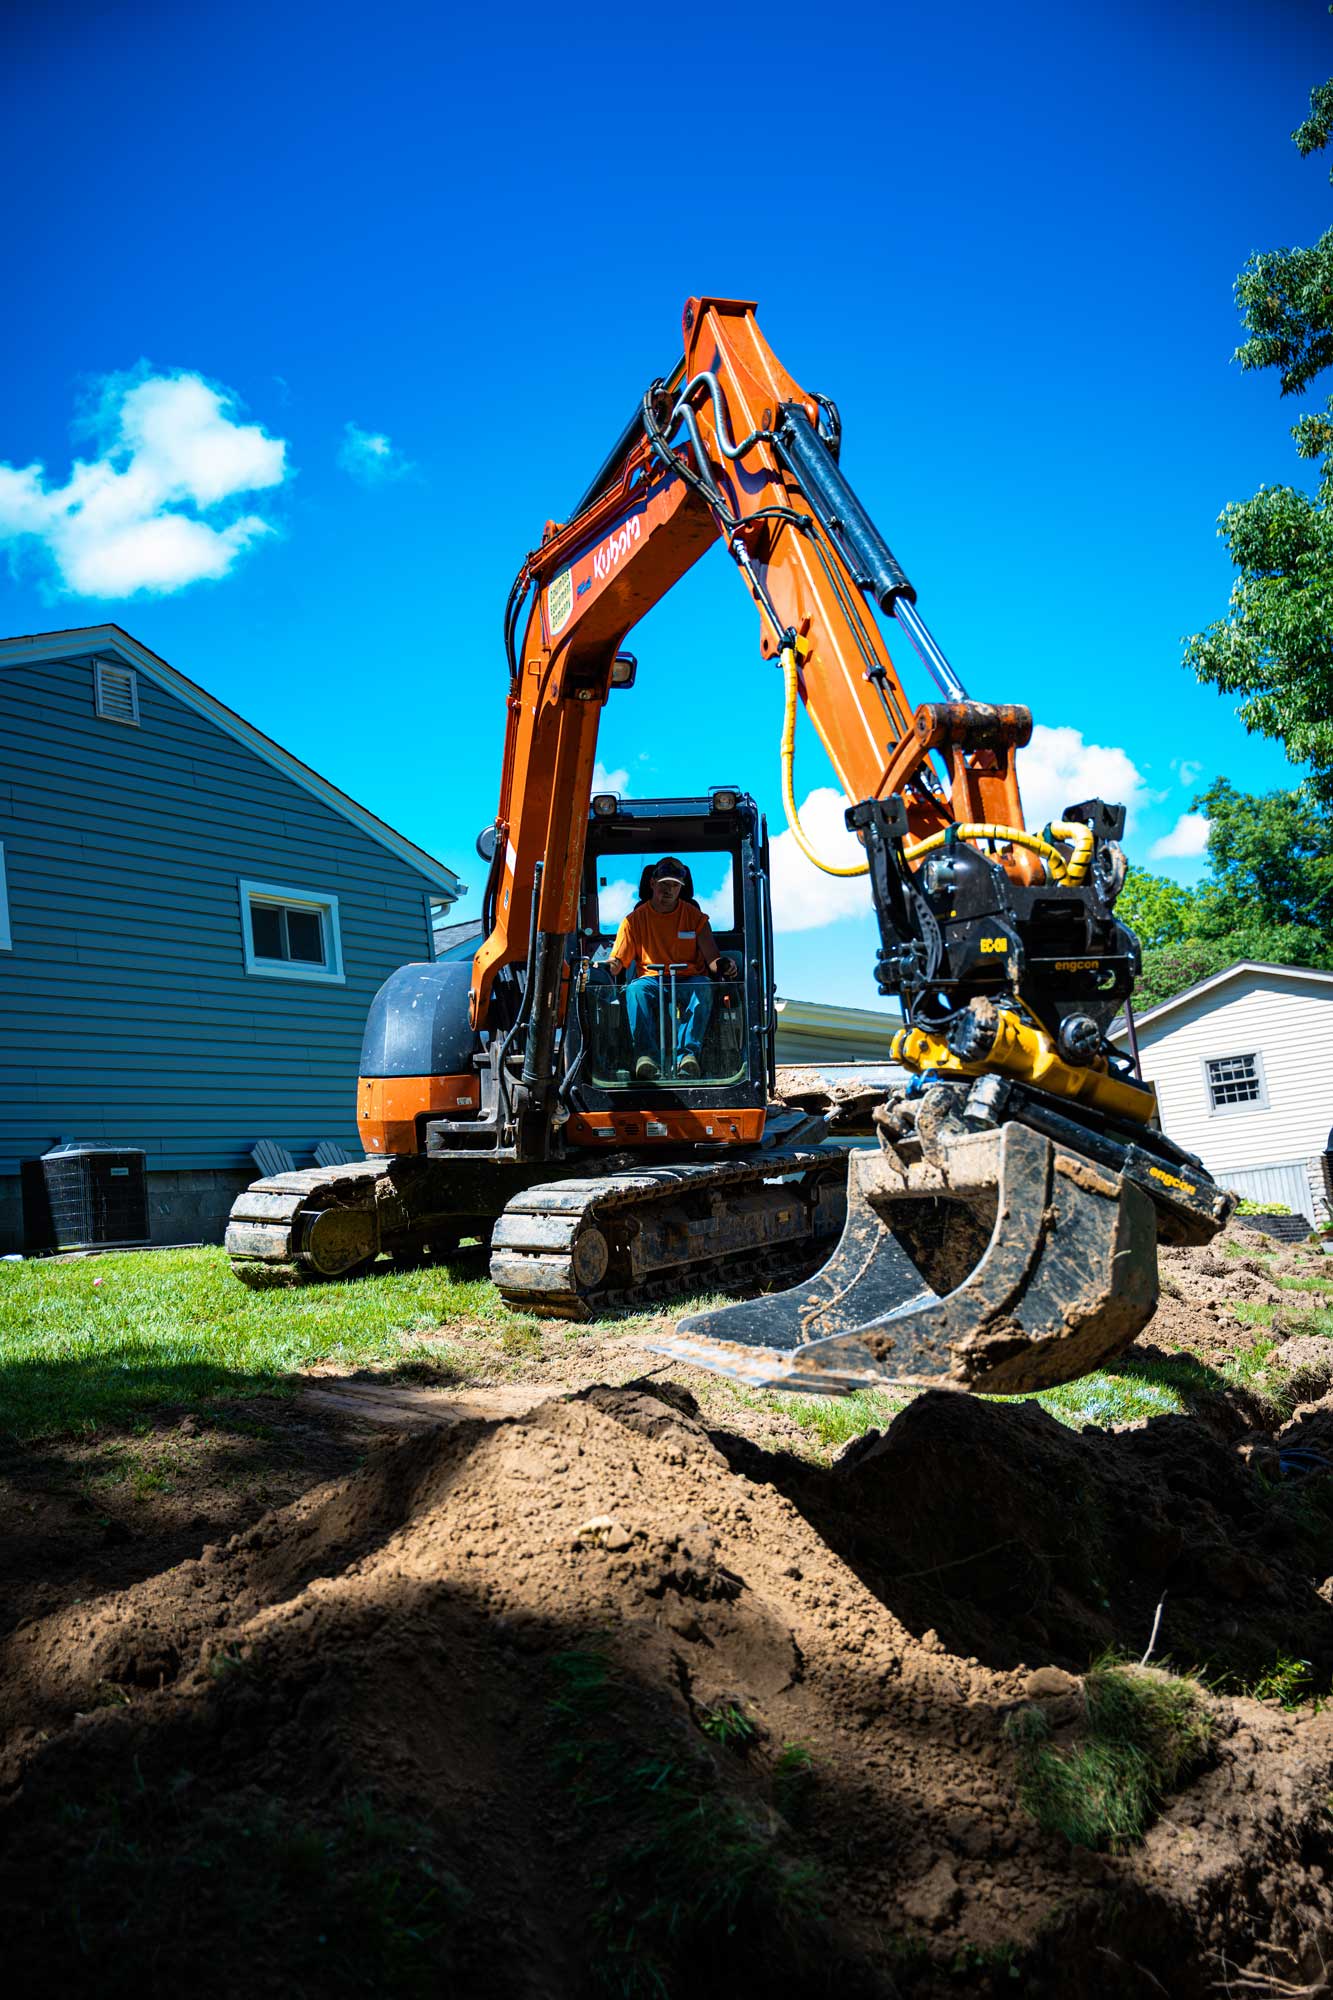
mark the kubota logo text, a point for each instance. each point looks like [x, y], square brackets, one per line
[617, 545]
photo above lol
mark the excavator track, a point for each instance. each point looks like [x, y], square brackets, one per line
[323, 1223]
[563, 1249]
[572, 1248]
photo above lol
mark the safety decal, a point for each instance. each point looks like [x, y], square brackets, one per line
[559, 601]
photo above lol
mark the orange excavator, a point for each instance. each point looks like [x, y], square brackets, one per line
[619, 1141]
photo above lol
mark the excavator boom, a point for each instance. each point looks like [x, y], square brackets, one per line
[1001, 1233]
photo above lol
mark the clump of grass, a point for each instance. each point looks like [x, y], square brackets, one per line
[1251, 1313]
[727, 1723]
[700, 1874]
[1128, 1392]
[1287, 1681]
[1110, 1397]
[1141, 1734]
[793, 1781]
[697, 1874]
[836, 1420]
[352, 1902]
[521, 1338]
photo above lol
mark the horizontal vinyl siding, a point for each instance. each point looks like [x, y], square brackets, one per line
[126, 1015]
[1289, 1185]
[1289, 1024]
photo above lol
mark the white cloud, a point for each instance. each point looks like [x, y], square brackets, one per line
[1188, 771]
[1187, 839]
[720, 907]
[610, 781]
[170, 451]
[370, 457]
[804, 898]
[615, 901]
[1058, 769]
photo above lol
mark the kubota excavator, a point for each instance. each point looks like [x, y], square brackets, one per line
[1002, 1234]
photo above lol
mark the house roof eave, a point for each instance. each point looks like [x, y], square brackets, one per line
[112, 637]
[1119, 1032]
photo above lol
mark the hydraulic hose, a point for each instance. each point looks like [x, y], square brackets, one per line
[1017, 836]
[1072, 869]
[788, 763]
[1084, 840]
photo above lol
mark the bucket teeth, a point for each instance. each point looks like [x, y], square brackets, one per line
[1066, 1281]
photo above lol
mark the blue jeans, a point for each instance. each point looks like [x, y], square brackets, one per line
[694, 1002]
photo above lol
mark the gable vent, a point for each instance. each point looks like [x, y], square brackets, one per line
[117, 692]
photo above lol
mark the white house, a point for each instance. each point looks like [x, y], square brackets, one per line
[1243, 1064]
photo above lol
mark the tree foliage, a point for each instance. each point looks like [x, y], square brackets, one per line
[1274, 649]
[1268, 893]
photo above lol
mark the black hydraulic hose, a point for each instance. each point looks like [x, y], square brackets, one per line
[518, 591]
[619, 451]
[572, 1068]
[525, 1004]
[488, 894]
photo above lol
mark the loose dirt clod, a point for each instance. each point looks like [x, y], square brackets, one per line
[594, 1698]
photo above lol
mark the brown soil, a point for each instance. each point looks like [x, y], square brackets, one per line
[510, 1709]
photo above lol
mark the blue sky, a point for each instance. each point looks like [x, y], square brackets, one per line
[423, 268]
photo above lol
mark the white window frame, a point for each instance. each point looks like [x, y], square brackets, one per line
[328, 974]
[6, 934]
[1259, 1103]
[101, 667]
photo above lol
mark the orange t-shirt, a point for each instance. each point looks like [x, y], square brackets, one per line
[649, 939]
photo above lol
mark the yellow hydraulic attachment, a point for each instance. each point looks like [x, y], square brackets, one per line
[1027, 1052]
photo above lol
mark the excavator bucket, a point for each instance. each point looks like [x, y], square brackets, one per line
[1065, 1280]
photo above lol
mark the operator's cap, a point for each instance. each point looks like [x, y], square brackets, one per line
[669, 869]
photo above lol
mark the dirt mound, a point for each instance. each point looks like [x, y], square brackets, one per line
[1042, 1544]
[593, 1699]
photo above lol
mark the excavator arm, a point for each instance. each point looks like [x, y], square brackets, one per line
[730, 448]
[1024, 1141]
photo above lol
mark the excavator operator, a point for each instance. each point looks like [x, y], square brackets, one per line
[666, 933]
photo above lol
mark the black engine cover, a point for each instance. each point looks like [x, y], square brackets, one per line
[418, 1023]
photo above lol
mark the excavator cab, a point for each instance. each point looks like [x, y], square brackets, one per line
[681, 1056]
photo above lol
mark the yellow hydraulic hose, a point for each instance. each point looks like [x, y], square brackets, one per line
[1084, 840]
[1073, 870]
[975, 830]
[788, 762]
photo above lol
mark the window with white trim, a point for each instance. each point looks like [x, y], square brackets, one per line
[1236, 1083]
[116, 692]
[6, 935]
[290, 933]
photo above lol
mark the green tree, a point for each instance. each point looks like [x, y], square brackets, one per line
[1268, 893]
[1270, 860]
[1157, 910]
[1274, 649]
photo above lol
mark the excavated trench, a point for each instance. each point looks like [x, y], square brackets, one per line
[596, 1699]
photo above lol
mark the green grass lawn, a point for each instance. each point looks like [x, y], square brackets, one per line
[99, 1341]
[93, 1341]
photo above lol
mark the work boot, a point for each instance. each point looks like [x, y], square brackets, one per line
[646, 1070]
[688, 1066]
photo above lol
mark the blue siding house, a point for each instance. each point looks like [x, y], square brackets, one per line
[192, 926]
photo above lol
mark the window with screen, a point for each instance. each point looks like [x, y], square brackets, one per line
[1234, 1081]
[290, 933]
